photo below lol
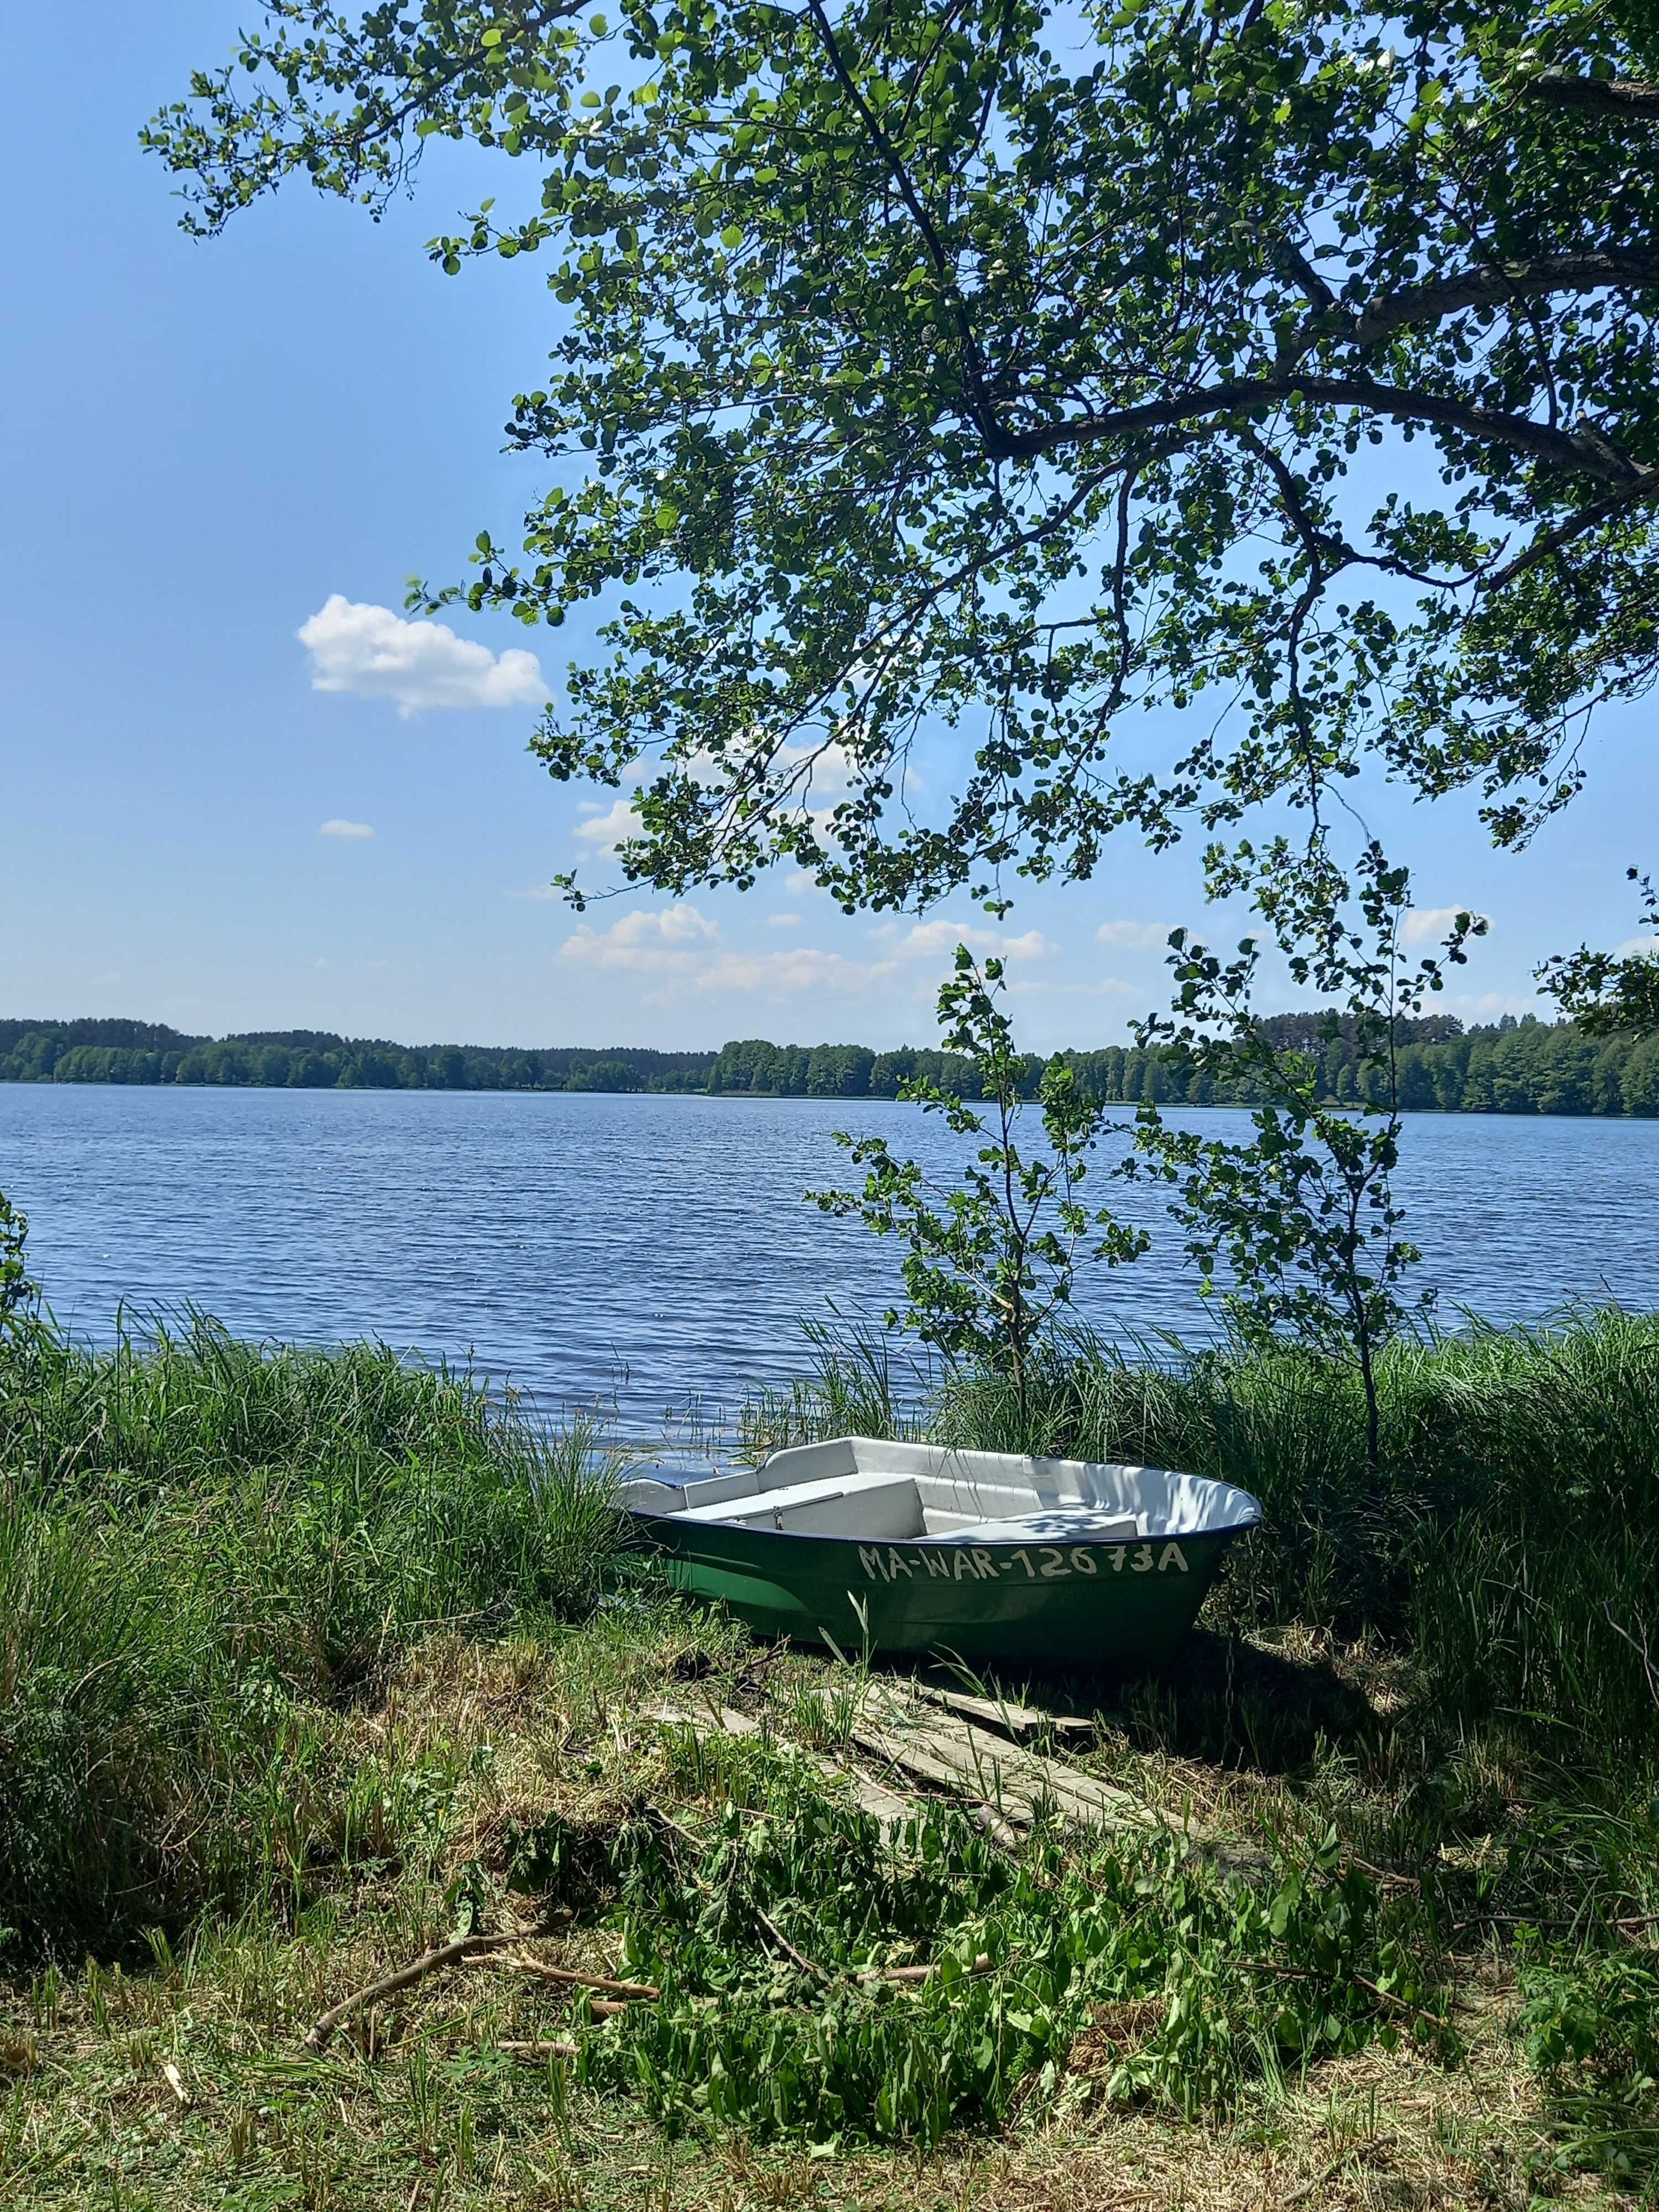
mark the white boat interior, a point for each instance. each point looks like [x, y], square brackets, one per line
[874, 1491]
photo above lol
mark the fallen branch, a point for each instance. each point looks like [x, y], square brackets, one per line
[430, 1962]
[982, 1964]
[674, 1828]
[522, 1963]
[1360, 1982]
[540, 2047]
[779, 1938]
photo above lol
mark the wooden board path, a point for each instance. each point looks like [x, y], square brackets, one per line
[910, 1737]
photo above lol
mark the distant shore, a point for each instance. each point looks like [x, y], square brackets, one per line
[1511, 1068]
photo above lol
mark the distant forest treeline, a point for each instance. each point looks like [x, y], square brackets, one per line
[1511, 1068]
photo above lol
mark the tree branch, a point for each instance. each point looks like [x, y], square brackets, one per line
[1586, 518]
[1493, 284]
[1597, 95]
[973, 365]
[1295, 263]
[1583, 451]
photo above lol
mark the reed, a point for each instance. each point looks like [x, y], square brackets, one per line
[204, 1541]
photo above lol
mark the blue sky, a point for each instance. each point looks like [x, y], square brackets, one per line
[208, 447]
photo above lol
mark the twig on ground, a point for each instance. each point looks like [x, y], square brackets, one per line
[521, 1963]
[982, 1964]
[779, 1938]
[430, 1962]
[547, 2046]
[1359, 1981]
[674, 1828]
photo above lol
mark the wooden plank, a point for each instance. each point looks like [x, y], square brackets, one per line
[996, 1766]
[1001, 1817]
[1000, 1712]
[1003, 1784]
[1024, 1777]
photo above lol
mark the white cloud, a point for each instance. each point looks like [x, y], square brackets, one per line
[1637, 947]
[538, 891]
[681, 944]
[334, 828]
[377, 654]
[674, 925]
[1136, 935]
[937, 940]
[650, 941]
[1109, 986]
[605, 832]
[776, 974]
[1424, 922]
[830, 767]
[783, 921]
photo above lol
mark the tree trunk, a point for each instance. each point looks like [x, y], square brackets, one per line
[1373, 1425]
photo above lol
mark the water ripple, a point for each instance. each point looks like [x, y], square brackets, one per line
[656, 1248]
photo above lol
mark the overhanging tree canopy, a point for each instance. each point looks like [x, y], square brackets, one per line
[1004, 367]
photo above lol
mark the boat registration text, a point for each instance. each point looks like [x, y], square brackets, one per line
[1042, 1562]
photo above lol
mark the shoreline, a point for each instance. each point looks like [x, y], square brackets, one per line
[783, 1098]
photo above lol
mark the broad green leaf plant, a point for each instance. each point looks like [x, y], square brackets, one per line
[991, 1259]
[1301, 1221]
[980, 373]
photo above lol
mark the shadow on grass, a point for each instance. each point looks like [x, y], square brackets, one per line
[1240, 1705]
[1231, 1703]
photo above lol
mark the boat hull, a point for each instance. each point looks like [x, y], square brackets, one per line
[1121, 1607]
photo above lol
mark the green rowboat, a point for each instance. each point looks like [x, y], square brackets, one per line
[915, 1548]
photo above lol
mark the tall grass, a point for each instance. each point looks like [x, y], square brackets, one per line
[1507, 1543]
[199, 1540]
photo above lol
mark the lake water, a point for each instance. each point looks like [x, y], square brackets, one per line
[654, 1252]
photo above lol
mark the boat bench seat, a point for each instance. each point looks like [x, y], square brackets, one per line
[880, 1507]
[1047, 1524]
[649, 1493]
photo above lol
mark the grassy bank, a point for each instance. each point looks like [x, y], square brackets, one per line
[303, 1667]
[203, 1545]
